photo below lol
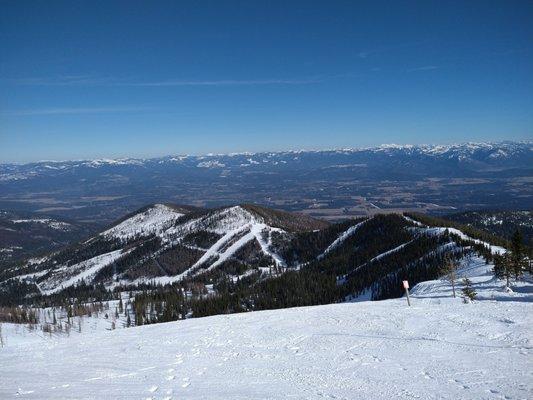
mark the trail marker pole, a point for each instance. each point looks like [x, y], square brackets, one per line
[406, 287]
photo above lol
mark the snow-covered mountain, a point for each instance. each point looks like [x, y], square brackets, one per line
[165, 244]
[488, 153]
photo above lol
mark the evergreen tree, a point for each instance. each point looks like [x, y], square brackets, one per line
[501, 268]
[514, 262]
[468, 292]
[517, 258]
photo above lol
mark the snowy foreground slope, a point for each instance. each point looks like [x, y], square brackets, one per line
[438, 348]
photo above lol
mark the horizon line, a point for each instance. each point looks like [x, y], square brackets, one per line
[238, 153]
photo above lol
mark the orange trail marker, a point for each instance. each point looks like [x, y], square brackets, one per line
[406, 287]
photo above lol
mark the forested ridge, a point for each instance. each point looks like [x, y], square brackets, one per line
[369, 259]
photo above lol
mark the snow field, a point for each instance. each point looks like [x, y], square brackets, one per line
[440, 348]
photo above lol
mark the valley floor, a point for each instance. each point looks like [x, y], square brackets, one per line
[438, 348]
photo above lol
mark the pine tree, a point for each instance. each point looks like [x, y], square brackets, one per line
[502, 268]
[517, 258]
[513, 262]
[469, 293]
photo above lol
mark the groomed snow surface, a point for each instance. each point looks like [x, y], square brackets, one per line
[84, 270]
[438, 348]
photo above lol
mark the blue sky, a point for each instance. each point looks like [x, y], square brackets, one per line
[86, 79]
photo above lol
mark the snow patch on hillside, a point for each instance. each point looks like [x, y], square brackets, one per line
[231, 250]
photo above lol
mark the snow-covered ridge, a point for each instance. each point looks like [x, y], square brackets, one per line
[237, 227]
[60, 225]
[419, 229]
[211, 164]
[478, 156]
[154, 220]
[439, 230]
[494, 150]
[208, 239]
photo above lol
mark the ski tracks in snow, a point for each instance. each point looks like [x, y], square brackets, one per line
[380, 350]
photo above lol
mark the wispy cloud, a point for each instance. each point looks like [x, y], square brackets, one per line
[73, 111]
[229, 82]
[64, 80]
[423, 68]
[85, 80]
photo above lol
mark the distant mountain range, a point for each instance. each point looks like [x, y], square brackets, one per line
[330, 184]
[474, 156]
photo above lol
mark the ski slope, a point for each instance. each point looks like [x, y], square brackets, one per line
[68, 276]
[440, 348]
[236, 225]
[342, 237]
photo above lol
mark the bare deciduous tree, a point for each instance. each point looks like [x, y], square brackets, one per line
[450, 272]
